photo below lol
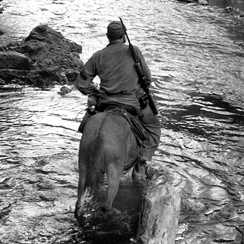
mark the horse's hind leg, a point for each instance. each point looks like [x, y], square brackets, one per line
[114, 174]
[81, 192]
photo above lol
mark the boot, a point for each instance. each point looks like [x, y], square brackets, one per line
[140, 171]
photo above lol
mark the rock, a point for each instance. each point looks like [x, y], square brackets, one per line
[148, 212]
[48, 48]
[10, 75]
[53, 59]
[160, 209]
[65, 90]
[46, 34]
[232, 11]
[14, 60]
[203, 2]
[160, 214]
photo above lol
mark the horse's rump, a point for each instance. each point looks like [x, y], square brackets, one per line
[107, 141]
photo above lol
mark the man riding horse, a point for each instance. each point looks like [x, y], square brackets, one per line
[115, 67]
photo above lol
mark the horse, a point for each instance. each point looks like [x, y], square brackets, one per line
[108, 145]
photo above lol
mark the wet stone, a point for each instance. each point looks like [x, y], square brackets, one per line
[144, 212]
[160, 209]
[14, 60]
[42, 162]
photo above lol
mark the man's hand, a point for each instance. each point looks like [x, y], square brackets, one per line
[88, 90]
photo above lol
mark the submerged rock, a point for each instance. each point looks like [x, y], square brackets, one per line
[203, 2]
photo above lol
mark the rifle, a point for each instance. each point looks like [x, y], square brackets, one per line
[142, 79]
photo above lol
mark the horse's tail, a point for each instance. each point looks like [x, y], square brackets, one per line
[95, 165]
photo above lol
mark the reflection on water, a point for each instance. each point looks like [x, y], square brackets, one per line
[197, 67]
[211, 107]
[31, 115]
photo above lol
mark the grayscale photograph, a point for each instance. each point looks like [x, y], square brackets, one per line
[121, 121]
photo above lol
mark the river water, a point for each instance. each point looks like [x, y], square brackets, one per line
[196, 57]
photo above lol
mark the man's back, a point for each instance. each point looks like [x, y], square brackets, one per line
[115, 67]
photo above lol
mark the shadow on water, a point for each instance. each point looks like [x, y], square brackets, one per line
[211, 107]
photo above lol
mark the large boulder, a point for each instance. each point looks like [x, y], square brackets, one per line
[53, 59]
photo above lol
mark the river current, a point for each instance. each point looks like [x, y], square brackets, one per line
[196, 57]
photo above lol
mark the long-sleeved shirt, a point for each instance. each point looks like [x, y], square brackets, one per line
[115, 67]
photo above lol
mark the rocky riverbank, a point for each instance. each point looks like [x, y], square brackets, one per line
[44, 58]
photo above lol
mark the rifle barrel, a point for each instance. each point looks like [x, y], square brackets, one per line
[134, 56]
[139, 70]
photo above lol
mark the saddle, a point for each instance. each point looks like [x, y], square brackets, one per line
[135, 124]
[129, 113]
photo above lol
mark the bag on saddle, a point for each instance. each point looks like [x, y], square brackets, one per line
[138, 130]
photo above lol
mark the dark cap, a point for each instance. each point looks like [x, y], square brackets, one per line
[115, 30]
